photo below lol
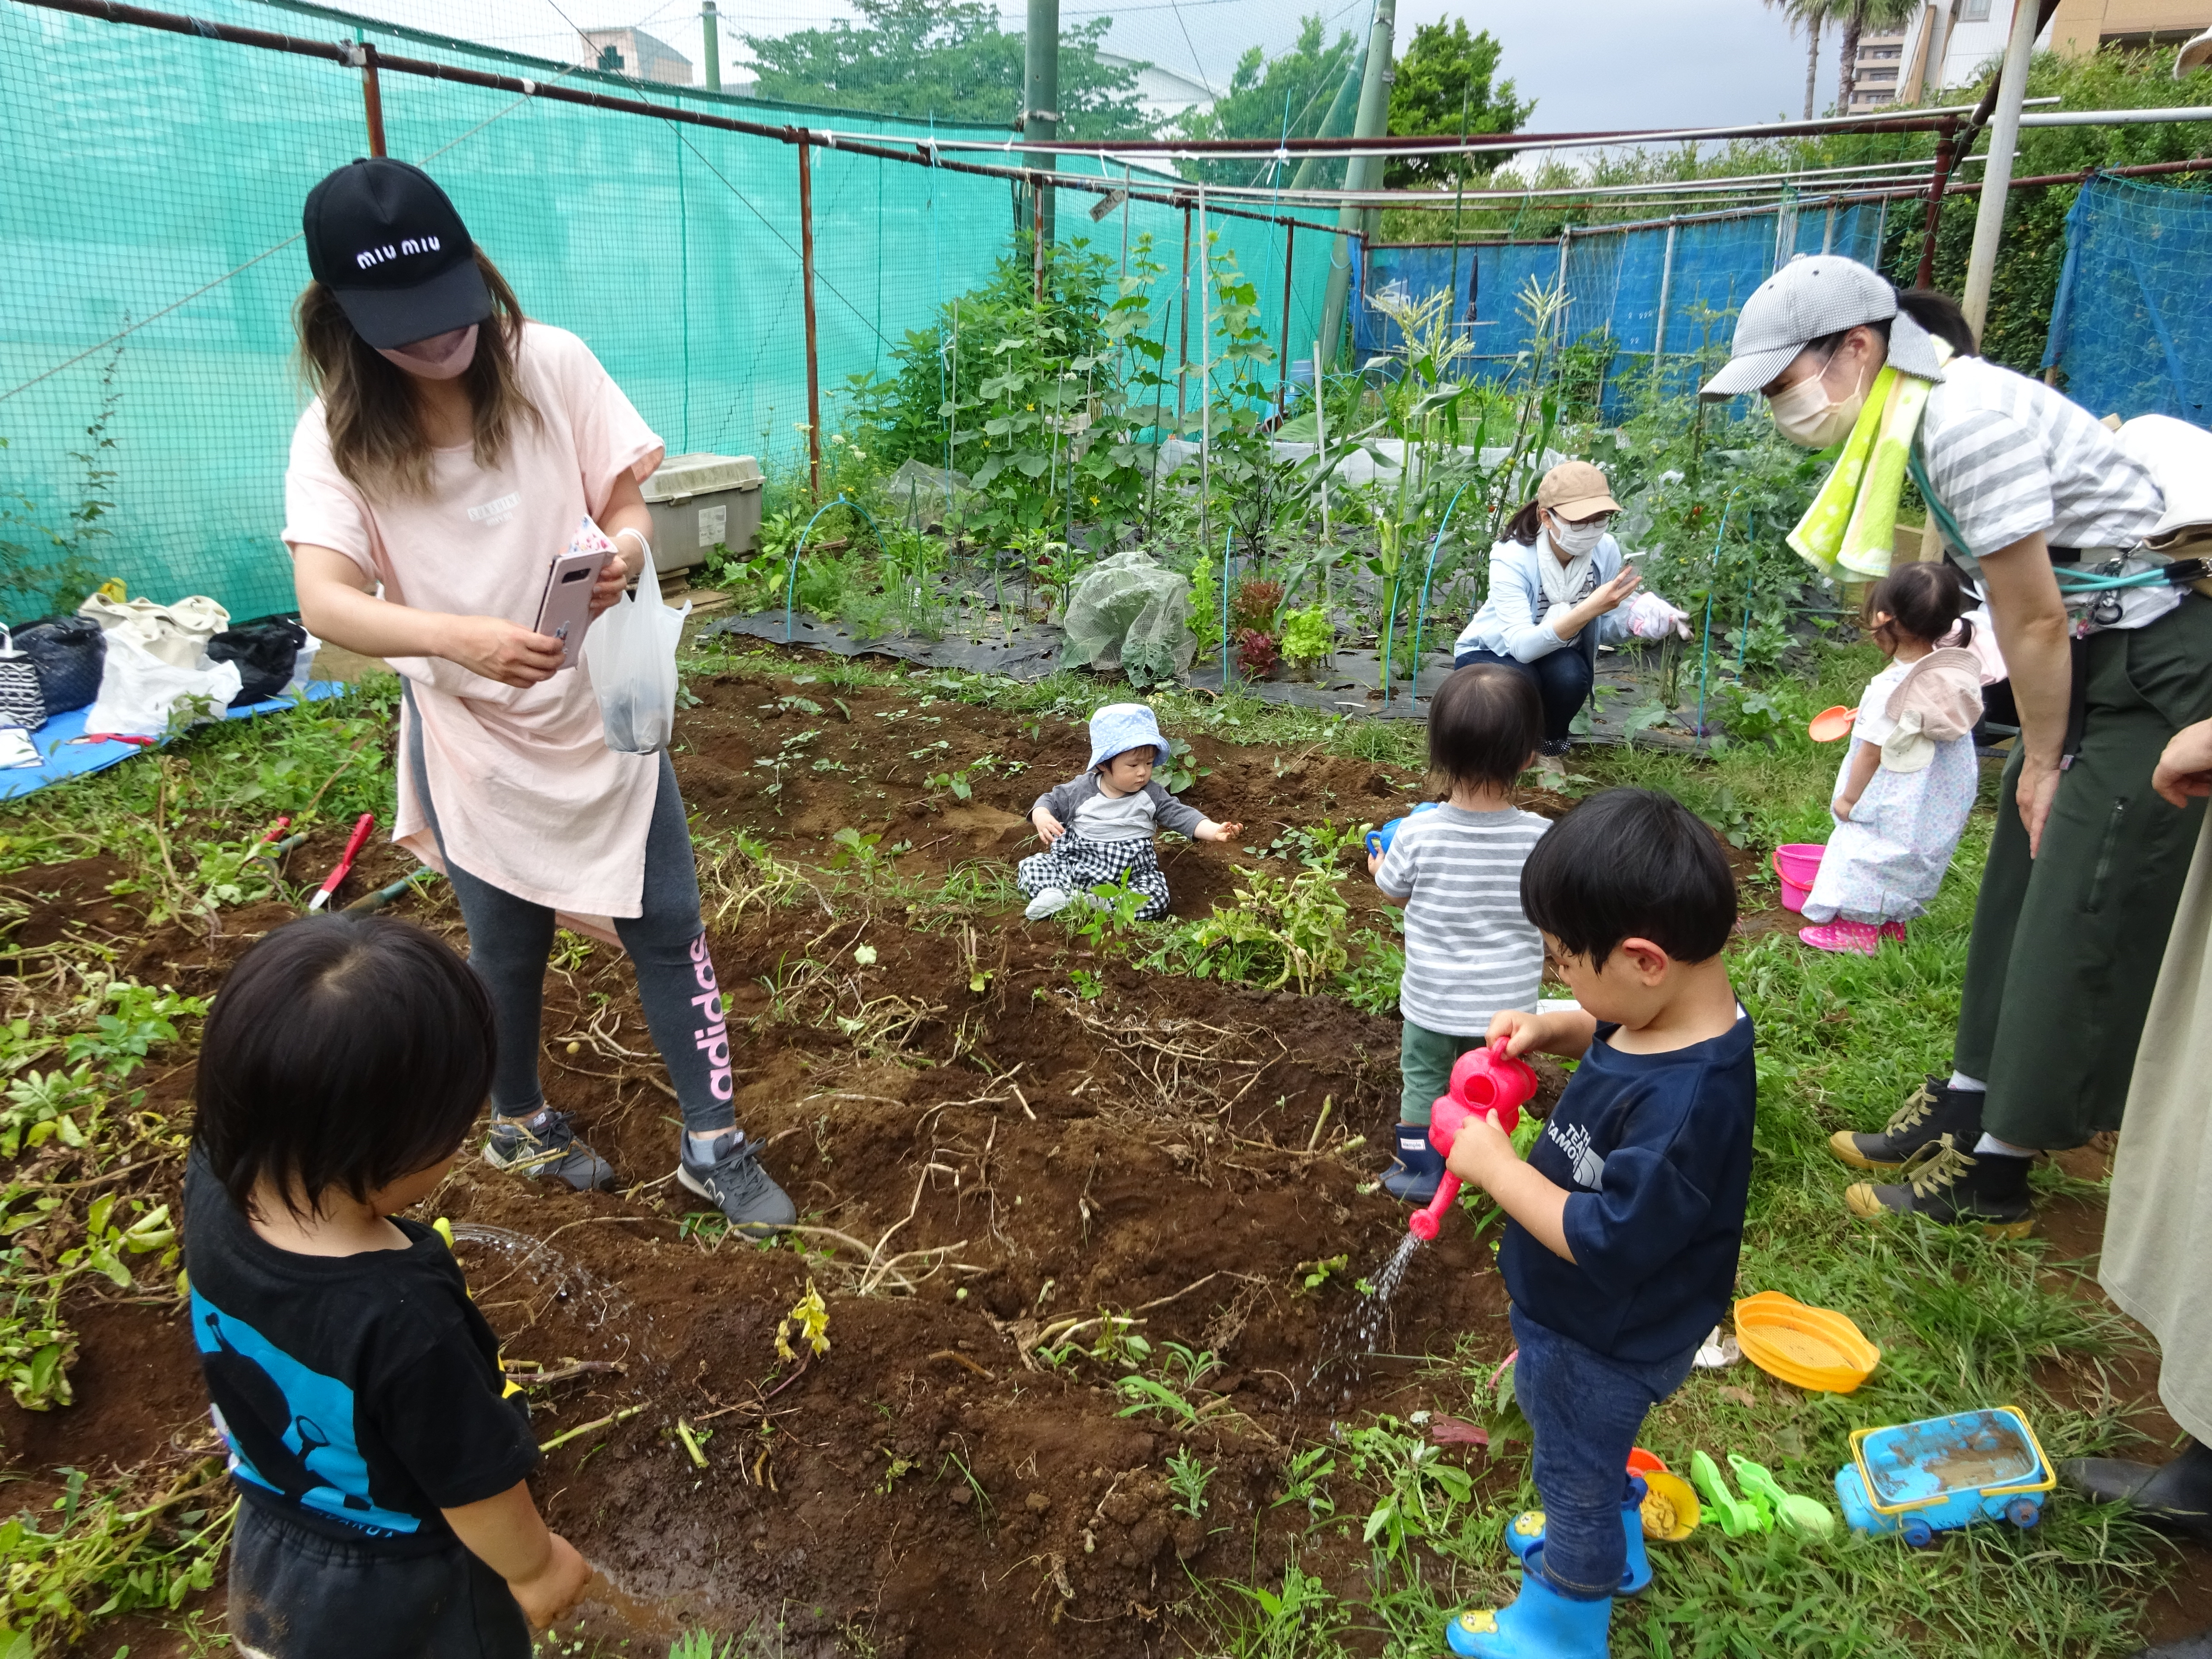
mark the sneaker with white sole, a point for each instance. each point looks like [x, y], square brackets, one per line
[546, 1144]
[1049, 903]
[734, 1183]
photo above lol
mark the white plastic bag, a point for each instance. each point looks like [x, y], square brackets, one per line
[630, 654]
[141, 696]
[1650, 617]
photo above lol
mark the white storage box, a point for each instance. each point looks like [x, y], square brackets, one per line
[700, 502]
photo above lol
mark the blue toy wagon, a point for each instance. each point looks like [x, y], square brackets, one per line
[1943, 1473]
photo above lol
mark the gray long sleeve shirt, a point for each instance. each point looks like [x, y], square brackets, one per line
[1066, 801]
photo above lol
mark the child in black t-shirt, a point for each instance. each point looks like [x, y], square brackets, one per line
[1624, 1224]
[356, 1386]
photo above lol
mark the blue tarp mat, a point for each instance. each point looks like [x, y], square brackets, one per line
[66, 759]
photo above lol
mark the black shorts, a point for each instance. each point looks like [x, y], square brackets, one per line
[296, 1593]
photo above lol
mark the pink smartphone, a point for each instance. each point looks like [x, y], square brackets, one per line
[566, 609]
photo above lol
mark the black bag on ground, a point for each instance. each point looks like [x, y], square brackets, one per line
[21, 702]
[71, 654]
[265, 650]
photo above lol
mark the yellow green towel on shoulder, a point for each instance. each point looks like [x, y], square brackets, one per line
[1852, 523]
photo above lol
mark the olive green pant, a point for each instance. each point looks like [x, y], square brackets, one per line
[2066, 946]
[1424, 1064]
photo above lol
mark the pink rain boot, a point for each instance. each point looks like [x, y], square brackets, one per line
[1893, 930]
[1857, 938]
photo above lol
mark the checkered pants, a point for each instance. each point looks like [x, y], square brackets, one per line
[1076, 865]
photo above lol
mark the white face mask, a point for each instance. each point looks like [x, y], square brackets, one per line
[441, 357]
[1807, 415]
[1576, 540]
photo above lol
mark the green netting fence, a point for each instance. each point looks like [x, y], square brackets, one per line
[151, 234]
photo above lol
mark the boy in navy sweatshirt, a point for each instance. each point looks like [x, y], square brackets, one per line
[1624, 1224]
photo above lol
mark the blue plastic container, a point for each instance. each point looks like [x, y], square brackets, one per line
[1944, 1472]
[1378, 840]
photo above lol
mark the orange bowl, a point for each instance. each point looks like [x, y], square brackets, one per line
[1641, 1462]
[1813, 1348]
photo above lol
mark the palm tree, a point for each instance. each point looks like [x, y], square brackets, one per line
[1858, 16]
[1814, 15]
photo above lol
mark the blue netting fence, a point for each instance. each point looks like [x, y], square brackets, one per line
[150, 232]
[2131, 327]
[1621, 284]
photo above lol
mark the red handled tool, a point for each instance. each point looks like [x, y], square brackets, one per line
[337, 874]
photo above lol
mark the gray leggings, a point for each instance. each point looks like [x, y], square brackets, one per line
[510, 938]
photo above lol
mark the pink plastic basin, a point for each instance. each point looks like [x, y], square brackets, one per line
[1795, 863]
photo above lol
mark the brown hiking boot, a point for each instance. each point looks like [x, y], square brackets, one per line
[1955, 1188]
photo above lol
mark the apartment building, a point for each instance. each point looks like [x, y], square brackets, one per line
[1949, 42]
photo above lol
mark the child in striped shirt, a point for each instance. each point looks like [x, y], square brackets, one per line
[1470, 953]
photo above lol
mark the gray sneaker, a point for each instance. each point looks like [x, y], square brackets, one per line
[547, 1146]
[734, 1183]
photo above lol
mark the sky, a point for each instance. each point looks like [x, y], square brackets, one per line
[1589, 64]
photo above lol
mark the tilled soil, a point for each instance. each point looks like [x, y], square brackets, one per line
[981, 1154]
[982, 1148]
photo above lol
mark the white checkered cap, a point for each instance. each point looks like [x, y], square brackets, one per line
[1812, 295]
[1121, 727]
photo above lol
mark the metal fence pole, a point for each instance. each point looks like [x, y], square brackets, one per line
[1666, 294]
[806, 285]
[1283, 368]
[363, 56]
[1182, 340]
[1945, 148]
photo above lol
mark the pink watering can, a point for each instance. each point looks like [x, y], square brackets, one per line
[1485, 1083]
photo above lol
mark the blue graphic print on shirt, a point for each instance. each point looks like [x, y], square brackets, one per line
[313, 1458]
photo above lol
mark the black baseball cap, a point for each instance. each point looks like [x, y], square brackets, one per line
[385, 239]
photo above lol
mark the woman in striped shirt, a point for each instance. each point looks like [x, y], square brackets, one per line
[2085, 868]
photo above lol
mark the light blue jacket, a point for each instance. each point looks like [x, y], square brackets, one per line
[1511, 622]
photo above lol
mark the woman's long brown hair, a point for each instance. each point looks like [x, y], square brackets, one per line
[368, 403]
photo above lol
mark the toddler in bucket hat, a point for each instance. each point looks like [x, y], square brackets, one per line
[1097, 829]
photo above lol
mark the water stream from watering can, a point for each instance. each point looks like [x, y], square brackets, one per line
[1352, 1335]
[594, 1300]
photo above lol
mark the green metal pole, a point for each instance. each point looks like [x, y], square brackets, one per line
[1041, 92]
[711, 40]
[1337, 124]
[1361, 172]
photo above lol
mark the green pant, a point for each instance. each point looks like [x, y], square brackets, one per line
[2066, 946]
[1424, 1064]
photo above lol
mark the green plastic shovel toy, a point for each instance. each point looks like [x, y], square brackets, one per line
[1737, 1517]
[1808, 1515]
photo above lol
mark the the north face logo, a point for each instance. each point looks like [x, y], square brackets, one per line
[1574, 1140]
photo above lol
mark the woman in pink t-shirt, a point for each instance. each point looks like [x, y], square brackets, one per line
[444, 465]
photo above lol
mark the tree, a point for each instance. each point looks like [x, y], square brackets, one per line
[1859, 15]
[1264, 91]
[1812, 15]
[1444, 85]
[915, 57]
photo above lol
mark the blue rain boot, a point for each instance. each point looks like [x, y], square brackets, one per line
[1539, 1623]
[1418, 1168]
[1525, 1531]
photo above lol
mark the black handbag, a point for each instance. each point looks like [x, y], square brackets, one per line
[21, 702]
[265, 650]
[69, 654]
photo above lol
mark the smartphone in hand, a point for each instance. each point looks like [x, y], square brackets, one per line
[565, 610]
